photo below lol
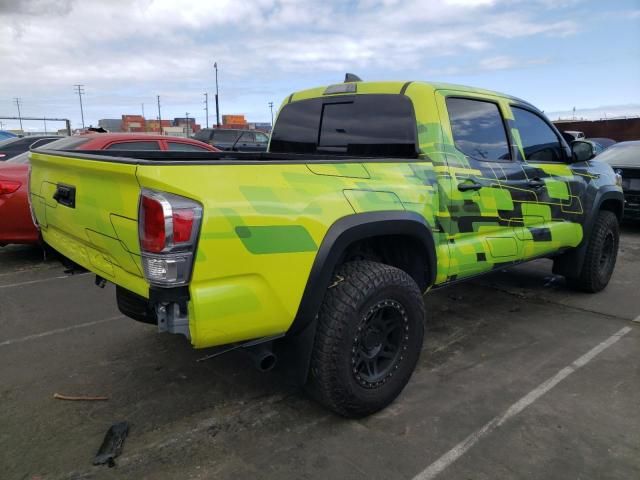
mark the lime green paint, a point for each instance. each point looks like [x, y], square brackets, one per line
[557, 189]
[262, 225]
[276, 239]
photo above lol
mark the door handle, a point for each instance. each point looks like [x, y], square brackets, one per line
[469, 184]
[536, 183]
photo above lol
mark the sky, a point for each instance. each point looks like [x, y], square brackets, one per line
[557, 54]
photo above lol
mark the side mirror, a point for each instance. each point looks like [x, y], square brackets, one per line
[582, 151]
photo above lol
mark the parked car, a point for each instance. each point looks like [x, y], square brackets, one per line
[572, 135]
[232, 139]
[600, 144]
[4, 135]
[318, 252]
[15, 146]
[131, 141]
[624, 157]
[16, 225]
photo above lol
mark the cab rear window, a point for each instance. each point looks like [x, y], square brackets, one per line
[360, 125]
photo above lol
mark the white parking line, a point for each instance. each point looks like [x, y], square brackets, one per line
[57, 330]
[456, 452]
[637, 319]
[31, 282]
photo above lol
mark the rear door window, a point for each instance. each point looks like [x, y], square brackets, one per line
[539, 141]
[478, 129]
[186, 147]
[249, 137]
[364, 125]
[134, 146]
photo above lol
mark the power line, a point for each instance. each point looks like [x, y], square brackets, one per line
[80, 91]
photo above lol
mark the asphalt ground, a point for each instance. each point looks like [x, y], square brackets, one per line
[520, 378]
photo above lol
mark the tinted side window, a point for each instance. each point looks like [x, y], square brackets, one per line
[203, 135]
[365, 125]
[248, 137]
[477, 128]
[261, 138]
[225, 135]
[186, 147]
[539, 141]
[134, 146]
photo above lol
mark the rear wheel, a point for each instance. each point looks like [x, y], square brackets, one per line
[600, 259]
[369, 338]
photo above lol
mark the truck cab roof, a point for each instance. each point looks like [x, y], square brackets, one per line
[398, 87]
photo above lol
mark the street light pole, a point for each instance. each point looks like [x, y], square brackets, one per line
[215, 65]
[186, 117]
[159, 116]
[80, 90]
[17, 100]
[206, 108]
[271, 108]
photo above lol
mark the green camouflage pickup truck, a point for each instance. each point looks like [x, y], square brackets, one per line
[317, 253]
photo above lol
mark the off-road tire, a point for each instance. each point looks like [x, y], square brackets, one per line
[600, 259]
[366, 297]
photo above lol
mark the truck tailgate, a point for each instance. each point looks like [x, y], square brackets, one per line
[87, 210]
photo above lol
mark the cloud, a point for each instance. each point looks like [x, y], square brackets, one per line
[132, 50]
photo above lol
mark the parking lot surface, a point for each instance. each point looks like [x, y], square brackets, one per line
[520, 378]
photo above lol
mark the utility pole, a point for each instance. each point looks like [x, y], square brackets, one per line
[159, 116]
[215, 65]
[271, 108]
[80, 90]
[206, 108]
[186, 117]
[17, 100]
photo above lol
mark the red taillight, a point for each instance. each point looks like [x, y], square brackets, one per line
[153, 235]
[9, 186]
[182, 225]
[168, 228]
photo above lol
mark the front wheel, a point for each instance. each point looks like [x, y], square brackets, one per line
[602, 252]
[369, 338]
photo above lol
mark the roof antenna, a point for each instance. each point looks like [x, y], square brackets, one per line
[351, 77]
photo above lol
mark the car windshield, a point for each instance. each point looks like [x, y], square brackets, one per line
[22, 158]
[67, 143]
[625, 154]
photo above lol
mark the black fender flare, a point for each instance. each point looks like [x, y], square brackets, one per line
[296, 346]
[606, 193]
[567, 263]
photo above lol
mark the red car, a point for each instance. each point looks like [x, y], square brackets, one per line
[16, 224]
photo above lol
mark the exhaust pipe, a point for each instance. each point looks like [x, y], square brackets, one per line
[262, 356]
